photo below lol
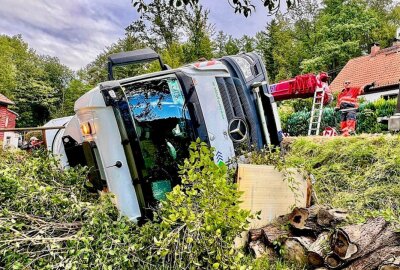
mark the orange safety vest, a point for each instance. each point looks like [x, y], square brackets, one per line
[349, 95]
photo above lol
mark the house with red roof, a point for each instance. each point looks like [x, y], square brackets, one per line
[381, 66]
[7, 117]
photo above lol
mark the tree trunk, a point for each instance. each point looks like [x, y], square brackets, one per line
[318, 250]
[376, 258]
[355, 241]
[295, 249]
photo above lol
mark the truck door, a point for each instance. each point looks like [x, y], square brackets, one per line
[156, 129]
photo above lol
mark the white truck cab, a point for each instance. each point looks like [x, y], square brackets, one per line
[133, 133]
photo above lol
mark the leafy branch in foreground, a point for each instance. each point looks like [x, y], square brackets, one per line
[49, 221]
[244, 7]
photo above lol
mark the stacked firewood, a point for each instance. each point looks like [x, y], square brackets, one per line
[313, 237]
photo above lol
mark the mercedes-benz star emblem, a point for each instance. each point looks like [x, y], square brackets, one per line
[238, 130]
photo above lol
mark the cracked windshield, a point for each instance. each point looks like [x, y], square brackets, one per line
[161, 122]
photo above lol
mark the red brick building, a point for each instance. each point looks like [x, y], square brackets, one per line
[7, 117]
[381, 66]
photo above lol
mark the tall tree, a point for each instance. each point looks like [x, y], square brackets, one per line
[232, 46]
[280, 50]
[219, 44]
[247, 44]
[346, 28]
[199, 33]
[35, 83]
[159, 26]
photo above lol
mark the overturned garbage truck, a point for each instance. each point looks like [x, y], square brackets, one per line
[132, 133]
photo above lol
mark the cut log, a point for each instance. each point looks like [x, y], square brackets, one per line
[333, 261]
[330, 217]
[276, 231]
[355, 241]
[318, 250]
[391, 264]
[255, 234]
[259, 249]
[316, 218]
[295, 249]
[273, 234]
[305, 218]
[376, 258]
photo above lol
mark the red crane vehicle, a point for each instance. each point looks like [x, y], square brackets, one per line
[306, 86]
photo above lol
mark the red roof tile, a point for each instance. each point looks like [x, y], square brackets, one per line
[5, 100]
[383, 69]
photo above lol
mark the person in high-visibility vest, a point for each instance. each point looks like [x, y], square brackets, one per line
[347, 103]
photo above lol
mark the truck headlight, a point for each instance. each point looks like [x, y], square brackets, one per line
[86, 128]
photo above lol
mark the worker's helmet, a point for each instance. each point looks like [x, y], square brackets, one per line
[33, 139]
[323, 76]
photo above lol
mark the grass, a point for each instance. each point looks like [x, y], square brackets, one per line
[361, 174]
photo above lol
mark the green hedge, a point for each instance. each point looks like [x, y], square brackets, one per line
[296, 124]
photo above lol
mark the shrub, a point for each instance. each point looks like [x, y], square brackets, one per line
[296, 124]
[49, 221]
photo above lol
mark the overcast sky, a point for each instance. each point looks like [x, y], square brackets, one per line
[77, 30]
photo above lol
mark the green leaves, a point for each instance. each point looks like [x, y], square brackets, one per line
[35, 83]
[48, 220]
[244, 7]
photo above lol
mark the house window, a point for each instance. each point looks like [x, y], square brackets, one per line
[6, 124]
[389, 96]
[8, 140]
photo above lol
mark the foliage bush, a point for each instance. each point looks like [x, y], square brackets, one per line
[296, 124]
[49, 221]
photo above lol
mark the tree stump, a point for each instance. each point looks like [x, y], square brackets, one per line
[255, 234]
[274, 234]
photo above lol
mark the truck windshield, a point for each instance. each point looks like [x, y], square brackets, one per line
[162, 125]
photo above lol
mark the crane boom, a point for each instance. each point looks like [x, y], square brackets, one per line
[301, 86]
